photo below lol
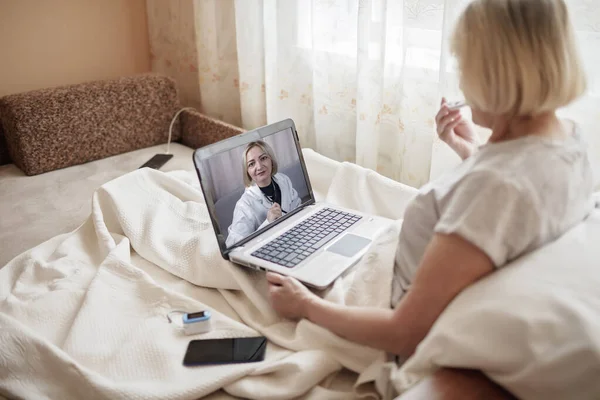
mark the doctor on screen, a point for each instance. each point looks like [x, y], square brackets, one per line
[268, 194]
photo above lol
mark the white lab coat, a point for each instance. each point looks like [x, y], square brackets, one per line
[250, 213]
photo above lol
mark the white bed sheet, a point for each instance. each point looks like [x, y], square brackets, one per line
[36, 208]
[60, 201]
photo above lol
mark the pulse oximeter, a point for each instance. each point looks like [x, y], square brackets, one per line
[198, 322]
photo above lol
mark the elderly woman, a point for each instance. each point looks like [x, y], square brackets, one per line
[268, 193]
[525, 187]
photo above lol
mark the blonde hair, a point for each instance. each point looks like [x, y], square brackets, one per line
[264, 147]
[517, 57]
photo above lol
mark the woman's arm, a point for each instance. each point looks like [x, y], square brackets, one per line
[243, 222]
[456, 131]
[449, 265]
[294, 199]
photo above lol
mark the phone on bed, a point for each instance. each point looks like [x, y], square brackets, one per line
[157, 161]
[225, 351]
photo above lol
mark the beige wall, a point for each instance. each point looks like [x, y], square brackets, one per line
[46, 43]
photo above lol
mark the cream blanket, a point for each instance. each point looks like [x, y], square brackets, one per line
[83, 315]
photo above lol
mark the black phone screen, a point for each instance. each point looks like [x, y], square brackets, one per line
[225, 351]
[157, 161]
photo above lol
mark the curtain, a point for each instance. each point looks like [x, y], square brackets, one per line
[362, 79]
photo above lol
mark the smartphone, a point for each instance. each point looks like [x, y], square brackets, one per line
[157, 161]
[225, 351]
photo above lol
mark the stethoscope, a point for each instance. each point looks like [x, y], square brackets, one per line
[272, 200]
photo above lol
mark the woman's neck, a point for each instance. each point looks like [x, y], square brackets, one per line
[266, 184]
[544, 125]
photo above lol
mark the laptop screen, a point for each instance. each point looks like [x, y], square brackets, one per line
[254, 180]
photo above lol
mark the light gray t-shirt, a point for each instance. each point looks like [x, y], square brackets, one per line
[507, 199]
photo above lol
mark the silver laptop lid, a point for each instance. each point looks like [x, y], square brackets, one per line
[221, 169]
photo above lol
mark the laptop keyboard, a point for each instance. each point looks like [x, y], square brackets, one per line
[295, 245]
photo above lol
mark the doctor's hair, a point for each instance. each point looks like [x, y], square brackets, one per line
[517, 57]
[264, 147]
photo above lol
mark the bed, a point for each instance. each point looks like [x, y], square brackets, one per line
[95, 252]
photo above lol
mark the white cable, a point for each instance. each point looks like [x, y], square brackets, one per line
[174, 312]
[173, 122]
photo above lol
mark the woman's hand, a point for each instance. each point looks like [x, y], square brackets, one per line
[274, 212]
[288, 297]
[457, 132]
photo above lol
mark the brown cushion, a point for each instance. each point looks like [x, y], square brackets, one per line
[198, 130]
[55, 128]
[4, 157]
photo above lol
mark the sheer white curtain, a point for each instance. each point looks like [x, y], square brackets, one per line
[361, 79]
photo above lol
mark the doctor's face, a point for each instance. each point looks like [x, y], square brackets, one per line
[259, 166]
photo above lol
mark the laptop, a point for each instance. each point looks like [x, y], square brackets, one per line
[314, 242]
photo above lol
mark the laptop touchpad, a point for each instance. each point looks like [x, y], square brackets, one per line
[349, 245]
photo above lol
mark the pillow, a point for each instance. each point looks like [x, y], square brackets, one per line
[532, 326]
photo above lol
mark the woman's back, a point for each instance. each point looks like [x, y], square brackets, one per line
[507, 199]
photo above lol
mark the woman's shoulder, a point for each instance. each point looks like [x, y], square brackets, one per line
[481, 180]
[571, 126]
[474, 181]
[281, 177]
[250, 195]
[539, 169]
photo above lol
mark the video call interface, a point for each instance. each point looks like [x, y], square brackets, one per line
[255, 184]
